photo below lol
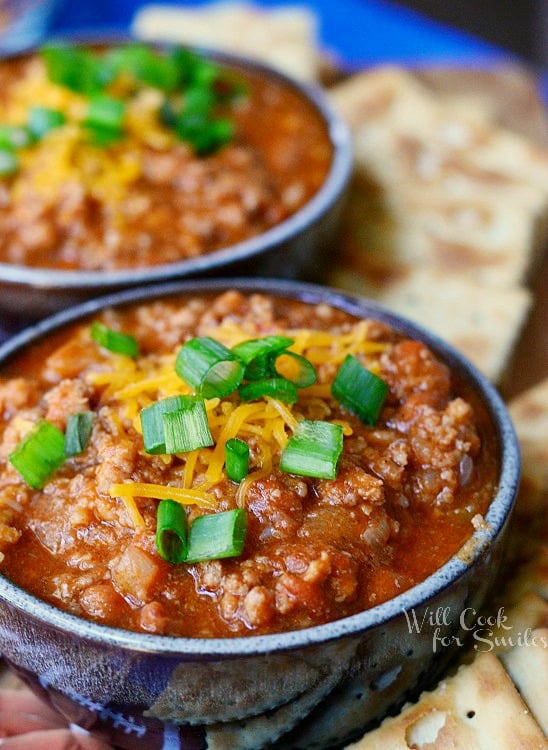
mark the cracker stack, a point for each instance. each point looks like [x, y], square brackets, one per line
[499, 699]
[447, 212]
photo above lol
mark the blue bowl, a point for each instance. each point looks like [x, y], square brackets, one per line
[312, 688]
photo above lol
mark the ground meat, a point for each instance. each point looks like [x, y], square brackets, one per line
[116, 457]
[14, 395]
[352, 486]
[275, 506]
[439, 442]
[69, 397]
[411, 369]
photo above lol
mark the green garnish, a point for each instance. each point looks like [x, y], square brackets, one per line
[236, 459]
[152, 422]
[114, 341]
[104, 119]
[359, 389]
[14, 136]
[314, 450]
[39, 454]
[43, 119]
[78, 432]
[279, 388]
[171, 531]
[187, 429]
[217, 536]
[208, 367]
[75, 68]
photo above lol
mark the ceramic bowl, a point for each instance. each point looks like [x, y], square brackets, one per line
[297, 247]
[326, 682]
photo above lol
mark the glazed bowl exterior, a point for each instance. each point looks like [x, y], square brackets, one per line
[313, 688]
[296, 248]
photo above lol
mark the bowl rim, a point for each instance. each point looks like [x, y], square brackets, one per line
[312, 211]
[211, 648]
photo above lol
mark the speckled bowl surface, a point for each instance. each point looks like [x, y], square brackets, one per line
[313, 688]
[297, 247]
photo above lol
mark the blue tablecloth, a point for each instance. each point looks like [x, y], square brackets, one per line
[360, 31]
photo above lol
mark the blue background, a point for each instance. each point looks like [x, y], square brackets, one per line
[360, 31]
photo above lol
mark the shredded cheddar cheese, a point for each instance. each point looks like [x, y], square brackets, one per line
[65, 154]
[181, 495]
[266, 424]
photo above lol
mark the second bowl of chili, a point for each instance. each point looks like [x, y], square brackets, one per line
[124, 164]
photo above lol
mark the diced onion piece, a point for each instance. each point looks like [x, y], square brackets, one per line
[314, 450]
[359, 389]
[216, 536]
[78, 432]
[209, 367]
[187, 429]
[171, 531]
[114, 341]
[236, 459]
[39, 454]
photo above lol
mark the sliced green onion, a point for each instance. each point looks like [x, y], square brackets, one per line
[187, 428]
[168, 114]
[217, 535]
[105, 112]
[260, 368]
[193, 70]
[9, 163]
[278, 388]
[39, 454]
[205, 72]
[43, 119]
[152, 422]
[185, 62]
[236, 459]
[114, 341]
[198, 100]
[171, 531]
[100, 136]
[306, 372]
[78, 432]
[208, 367]
[144, 65]
[249, 350]
[359, 389]
[14, 136]
[74, 67]
[204, 134]
[314, 450]
[258, 355]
